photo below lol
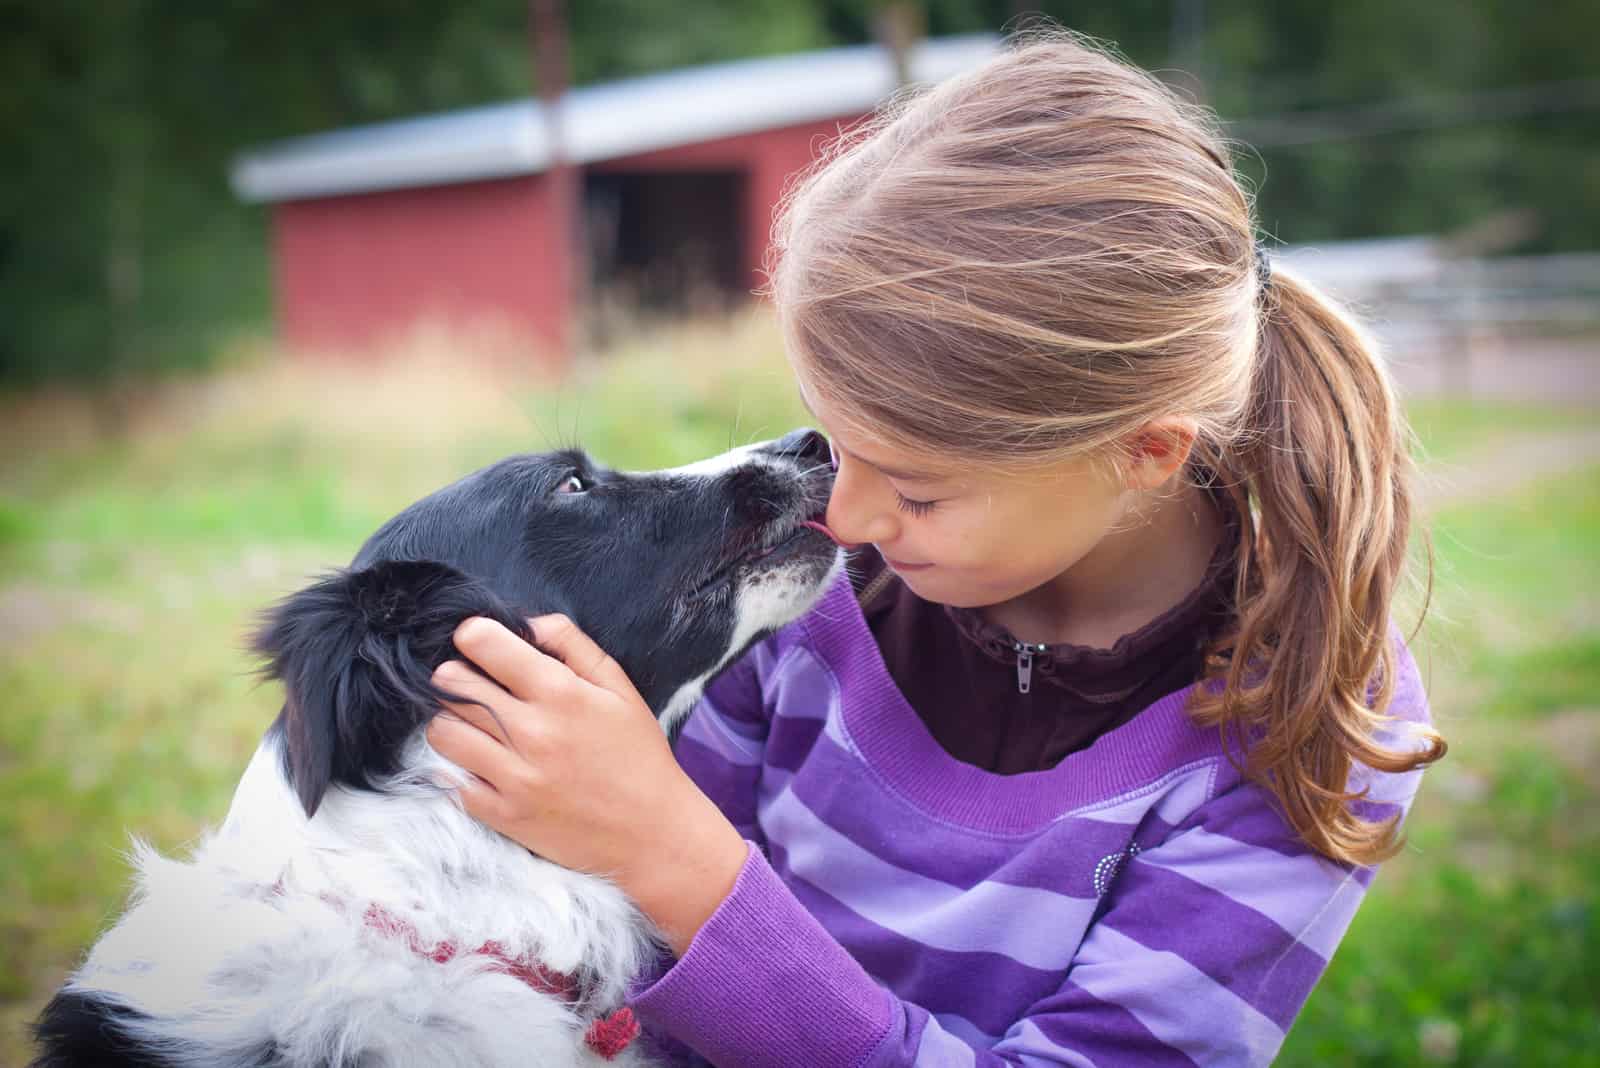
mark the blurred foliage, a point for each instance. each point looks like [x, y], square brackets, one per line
[122, 250]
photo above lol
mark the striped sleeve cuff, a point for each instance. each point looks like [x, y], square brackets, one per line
[764, 984]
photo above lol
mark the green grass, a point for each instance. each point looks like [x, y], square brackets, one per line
[1452, 426]
[131, 568]
[1481, 943]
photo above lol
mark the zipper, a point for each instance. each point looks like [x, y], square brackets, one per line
[1025, 665]
[875, 587]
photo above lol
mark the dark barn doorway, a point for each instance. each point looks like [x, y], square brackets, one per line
[663, 245]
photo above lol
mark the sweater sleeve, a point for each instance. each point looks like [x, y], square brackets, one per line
[1207, 944]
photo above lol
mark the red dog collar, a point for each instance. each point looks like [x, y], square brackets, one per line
[607, 1035]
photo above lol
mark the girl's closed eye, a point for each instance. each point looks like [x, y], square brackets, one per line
[916, 508]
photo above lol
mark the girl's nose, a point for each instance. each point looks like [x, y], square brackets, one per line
[852, 515]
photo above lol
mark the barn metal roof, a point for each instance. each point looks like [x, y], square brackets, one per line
[599, 122]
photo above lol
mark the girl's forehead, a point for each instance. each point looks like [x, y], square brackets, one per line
[909, 463]
[901, 464]
[894, 460]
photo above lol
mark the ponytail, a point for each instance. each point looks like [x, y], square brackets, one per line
[1326, 455]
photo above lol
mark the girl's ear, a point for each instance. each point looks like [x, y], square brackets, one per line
[356, 653]
[1158, 450]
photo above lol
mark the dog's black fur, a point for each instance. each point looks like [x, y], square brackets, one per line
[365, 639]
[649, 565]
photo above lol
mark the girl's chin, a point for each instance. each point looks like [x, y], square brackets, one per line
[939, 586]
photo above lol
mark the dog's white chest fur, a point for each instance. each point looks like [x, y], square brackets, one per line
[258, 942]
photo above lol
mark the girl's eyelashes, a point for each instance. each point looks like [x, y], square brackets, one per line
[916, 508]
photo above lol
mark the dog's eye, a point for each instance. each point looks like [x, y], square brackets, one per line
[573, 484]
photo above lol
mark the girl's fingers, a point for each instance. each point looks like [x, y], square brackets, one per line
[561, 638]
[513, 663]
[481, 801]
[470, 748]
[461, 682]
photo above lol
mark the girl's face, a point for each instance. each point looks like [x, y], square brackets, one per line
[961, 537]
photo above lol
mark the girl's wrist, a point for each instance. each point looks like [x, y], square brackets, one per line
[680, 891]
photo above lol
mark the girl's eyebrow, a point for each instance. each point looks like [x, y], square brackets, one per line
[904, 476]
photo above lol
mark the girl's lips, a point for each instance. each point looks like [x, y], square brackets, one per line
[823, 528]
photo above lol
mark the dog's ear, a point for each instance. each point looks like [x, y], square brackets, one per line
[356, 653]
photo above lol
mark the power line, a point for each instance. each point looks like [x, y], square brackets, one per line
[1417, 113]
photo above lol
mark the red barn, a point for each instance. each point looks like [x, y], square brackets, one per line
[454, 217]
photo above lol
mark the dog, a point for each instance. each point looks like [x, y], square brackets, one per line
[347, 911]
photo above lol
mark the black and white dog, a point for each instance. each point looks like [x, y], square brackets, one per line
[348, 912]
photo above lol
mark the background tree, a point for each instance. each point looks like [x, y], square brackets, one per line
[122, 250]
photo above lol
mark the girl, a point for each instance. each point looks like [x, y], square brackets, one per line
[1086, 761]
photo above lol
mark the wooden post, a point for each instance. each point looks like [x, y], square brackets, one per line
[547, 25]
[899, 25]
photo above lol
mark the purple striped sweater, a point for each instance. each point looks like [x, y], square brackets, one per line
[1137, 904]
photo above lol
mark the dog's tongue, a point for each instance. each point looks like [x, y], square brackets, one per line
[822, 528]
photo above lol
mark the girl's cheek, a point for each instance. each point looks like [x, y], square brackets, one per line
[942, 540]
[979, 543]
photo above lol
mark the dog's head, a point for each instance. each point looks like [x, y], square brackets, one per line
[674, 573]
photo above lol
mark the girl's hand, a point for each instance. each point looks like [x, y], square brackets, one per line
[578, 771]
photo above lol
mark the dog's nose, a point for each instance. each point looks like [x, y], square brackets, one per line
[804, 445]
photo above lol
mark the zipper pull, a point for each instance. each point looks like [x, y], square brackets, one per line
[1024, 668]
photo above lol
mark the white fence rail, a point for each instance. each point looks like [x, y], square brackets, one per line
[1512, 326]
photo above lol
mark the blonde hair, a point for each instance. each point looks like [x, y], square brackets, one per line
[1026, 264]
